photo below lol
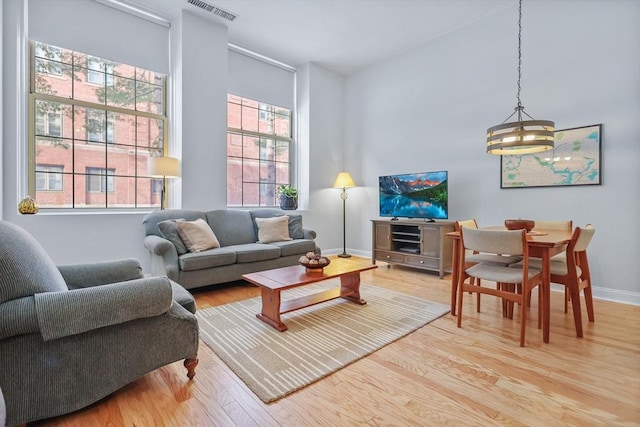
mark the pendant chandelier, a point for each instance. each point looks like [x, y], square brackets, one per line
[521, 136]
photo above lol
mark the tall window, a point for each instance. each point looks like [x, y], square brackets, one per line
[98, 122]
[259, 147]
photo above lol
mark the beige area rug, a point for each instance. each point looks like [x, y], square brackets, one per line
[320, 340]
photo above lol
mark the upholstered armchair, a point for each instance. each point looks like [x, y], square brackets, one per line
[72, 335]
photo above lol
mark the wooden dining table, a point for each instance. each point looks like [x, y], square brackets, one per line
[541, 244]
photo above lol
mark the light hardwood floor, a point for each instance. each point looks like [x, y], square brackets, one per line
[438, 375]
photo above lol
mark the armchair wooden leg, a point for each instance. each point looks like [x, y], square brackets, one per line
[190, 363]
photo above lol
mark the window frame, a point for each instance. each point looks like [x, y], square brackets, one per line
[111, 111]
[265, 112]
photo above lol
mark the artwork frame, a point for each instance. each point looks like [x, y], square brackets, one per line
[575, 160]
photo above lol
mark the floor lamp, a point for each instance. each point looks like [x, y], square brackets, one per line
[163, 167]
[344, 181]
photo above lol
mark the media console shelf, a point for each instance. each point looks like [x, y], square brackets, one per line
[413, 243]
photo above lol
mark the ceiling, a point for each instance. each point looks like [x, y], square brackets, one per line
[341, 35]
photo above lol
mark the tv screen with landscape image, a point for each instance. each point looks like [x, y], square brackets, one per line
[415, 195]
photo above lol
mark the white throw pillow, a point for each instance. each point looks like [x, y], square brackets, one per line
[275, 229]
[197, 235]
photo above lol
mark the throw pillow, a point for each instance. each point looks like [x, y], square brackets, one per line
[169, 230]
[197, 235]
[295, 227]
[274, 229]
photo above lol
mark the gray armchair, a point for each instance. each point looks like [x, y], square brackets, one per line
[72, 335]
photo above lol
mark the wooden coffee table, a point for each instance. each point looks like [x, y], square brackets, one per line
[273, 282]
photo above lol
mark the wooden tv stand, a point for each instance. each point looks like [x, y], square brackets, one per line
[413, 243]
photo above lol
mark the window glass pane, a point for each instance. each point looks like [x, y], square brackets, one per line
[122, 159]
[282, 151]
[95, 124]
[251, 147]
[282, 125]
[234, 118]
[250, 194]
[234, 181]
[53, 119]
[282, 173]
[249, 119]
[250, 170]
[54, 151]
[234, 145]
[57, 198]
[149, 98]
[87, 85]
[150, 133]
[265, 124]
[122, 192]
[122, 93]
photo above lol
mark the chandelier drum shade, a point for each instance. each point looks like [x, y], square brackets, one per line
[521, 136]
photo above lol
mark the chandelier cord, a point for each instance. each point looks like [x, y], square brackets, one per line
[519, 108]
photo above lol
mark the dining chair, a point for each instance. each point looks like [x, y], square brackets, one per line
[573, 272]
[514, 284]
[474, 257]
[554, 225]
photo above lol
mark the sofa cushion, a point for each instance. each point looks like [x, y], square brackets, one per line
[207, 259]
[169, 230]
[252, 252]
[296, 231]
[295, 220]
[295, 247]
[274, 229]
[197, 235]
[25, 268]
[232, 226]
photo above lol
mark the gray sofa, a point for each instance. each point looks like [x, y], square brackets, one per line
[72, 335]
[238, 254]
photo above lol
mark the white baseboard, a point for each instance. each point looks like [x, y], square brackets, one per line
[599, 292]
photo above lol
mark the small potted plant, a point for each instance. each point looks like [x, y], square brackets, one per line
[288, 197]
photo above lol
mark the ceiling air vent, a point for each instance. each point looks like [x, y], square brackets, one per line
[213, 9]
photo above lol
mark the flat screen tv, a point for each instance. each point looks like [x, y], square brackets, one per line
[415, 195]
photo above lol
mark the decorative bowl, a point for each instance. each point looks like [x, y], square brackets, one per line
[519, 224]
[314, 266]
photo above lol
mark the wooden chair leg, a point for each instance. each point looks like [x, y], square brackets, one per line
[523, 317]
[459, 302]
[588, 298]
[190, 363]
[574, 291]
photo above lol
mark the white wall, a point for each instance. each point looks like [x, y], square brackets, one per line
[321, 95]
[428, 109]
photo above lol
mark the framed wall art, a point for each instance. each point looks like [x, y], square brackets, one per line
[575, 160]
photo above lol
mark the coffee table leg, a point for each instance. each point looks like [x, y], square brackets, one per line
[350, 288]
[271, 309]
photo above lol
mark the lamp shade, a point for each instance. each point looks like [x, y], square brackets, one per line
[344, 180]
[163, 167]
